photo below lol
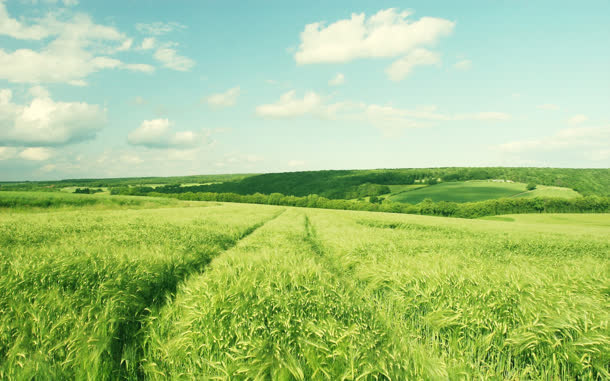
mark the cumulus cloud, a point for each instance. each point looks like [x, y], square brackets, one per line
[170, 58]
[78, 47]
[45, 122]
[388, 33]
[148, 43]
[385, 34]
[226, 99]
[399, 70]
[290, 106]
[156, 133]
[337, 80]
[36, 153]
[16, 29]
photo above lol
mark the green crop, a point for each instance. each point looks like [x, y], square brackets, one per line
[237, 291]
[76, 286]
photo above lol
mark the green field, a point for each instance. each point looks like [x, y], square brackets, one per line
[547, 191]
[470, 191]
[574, 220]
[234, 291]
[16, 201]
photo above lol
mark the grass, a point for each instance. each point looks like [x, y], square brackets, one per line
[76, 286]
[575, 220]
[41, 201]
[470, 191]
[235, 291]
[547, 191]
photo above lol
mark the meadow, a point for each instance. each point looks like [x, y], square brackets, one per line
[209, 290]
[472, 191]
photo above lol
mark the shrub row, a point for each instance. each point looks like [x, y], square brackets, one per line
[590, 204]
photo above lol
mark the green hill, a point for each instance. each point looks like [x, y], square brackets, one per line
[348, 184]
[353, 184]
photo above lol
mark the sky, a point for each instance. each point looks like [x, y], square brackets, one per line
[92, 89]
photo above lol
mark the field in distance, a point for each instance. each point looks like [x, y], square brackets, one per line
[222, 290]
[469, 191]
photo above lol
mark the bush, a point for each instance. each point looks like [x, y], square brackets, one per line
[531, 186]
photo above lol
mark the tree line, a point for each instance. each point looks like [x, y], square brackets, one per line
[588, 204]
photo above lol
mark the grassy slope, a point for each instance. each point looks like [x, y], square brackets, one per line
[470, 191]
[27, 201]
[571, 221]
[461, 192]
[547, 191]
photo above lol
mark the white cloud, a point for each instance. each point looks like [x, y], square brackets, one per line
[548, 107]
[578, 119]
[226, 99]
[148, 43]
[78, 47]
[385, 34]
[45, 122]
[463, 64]
[158, 28]
[48, 167]
[337, 80]
[568, 138]
[389, 119]
[7, 153]
[296, 163]
[126, 45]
[14, 28]
[170, 58]
[36, 153]
[289, 106]
[388, 116]
[156, 133]
[399, 70]
[5, 96]
[144, 68]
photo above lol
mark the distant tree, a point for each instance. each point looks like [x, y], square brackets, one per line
[531, 186]
[374, 199]
[432, 181]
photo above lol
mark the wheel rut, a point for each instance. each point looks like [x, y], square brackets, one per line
[129, 337]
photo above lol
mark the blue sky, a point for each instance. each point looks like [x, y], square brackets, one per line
[145, 88]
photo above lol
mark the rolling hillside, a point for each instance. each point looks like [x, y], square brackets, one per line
[354, 184]
[470, 191]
